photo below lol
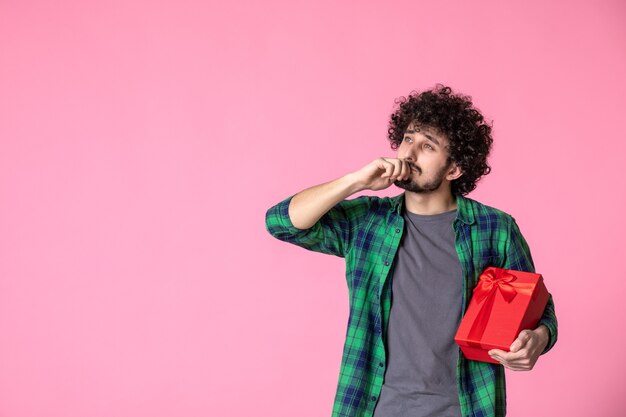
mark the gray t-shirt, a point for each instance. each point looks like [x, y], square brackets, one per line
[420, 379]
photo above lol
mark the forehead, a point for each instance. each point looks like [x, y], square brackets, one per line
[419, 127]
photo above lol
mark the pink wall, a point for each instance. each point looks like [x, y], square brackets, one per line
[141, 143]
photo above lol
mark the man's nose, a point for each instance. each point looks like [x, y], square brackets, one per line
[410, 154]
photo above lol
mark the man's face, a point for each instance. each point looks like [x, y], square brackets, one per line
[426, 152]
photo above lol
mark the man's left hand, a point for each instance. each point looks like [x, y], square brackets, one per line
[525, 350]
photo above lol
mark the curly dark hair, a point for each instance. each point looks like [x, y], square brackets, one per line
[453, 116]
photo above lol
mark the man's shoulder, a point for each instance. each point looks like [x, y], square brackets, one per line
[374, 201]
[486, 213]
[369, 206]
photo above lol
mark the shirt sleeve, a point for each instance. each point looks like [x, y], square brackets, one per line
[518, 258]
[332, 234]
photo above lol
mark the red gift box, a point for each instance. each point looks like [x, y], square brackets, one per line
[504, 303]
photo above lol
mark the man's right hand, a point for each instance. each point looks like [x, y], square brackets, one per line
[381, 173]
[308, 206]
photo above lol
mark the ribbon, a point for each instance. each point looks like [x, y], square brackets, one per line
[491, 281]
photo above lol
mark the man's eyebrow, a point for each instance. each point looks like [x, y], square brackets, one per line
[432, 139]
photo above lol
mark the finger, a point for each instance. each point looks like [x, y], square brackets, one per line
[518, 363]
[504, 357]
[387, 166]
[407, 169]
[515, 367]
[403, 172]
[514, 364]
[513, 357]
[397, 169]
[521, 341]
[496, 357]
[501, 361]
[497, 352]
[400, 171]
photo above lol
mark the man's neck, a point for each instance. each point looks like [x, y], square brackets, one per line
[429, 203]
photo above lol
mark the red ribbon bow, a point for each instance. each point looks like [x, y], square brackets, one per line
[490, 281]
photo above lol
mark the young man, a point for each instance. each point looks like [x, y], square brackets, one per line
[412, 263]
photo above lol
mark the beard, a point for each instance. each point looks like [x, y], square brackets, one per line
[429, 186]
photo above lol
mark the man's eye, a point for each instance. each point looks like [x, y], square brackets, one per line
[429, 146]
[407, 138]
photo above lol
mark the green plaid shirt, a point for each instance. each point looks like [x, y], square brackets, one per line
[366, 231]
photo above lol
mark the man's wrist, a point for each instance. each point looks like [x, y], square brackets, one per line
[352, 183]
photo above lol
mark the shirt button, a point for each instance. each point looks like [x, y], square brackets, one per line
[381, 364]
[386, 263]
[397, 230]
[373, 398]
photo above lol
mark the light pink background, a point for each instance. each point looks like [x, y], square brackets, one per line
[141, 143]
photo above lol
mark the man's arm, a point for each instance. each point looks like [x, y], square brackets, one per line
[518, 258]
[319, 219]
[306, 207]
[530, 344]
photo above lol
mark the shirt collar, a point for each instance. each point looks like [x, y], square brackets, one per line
[464, 212]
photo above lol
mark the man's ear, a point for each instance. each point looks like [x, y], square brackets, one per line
[454, 172]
